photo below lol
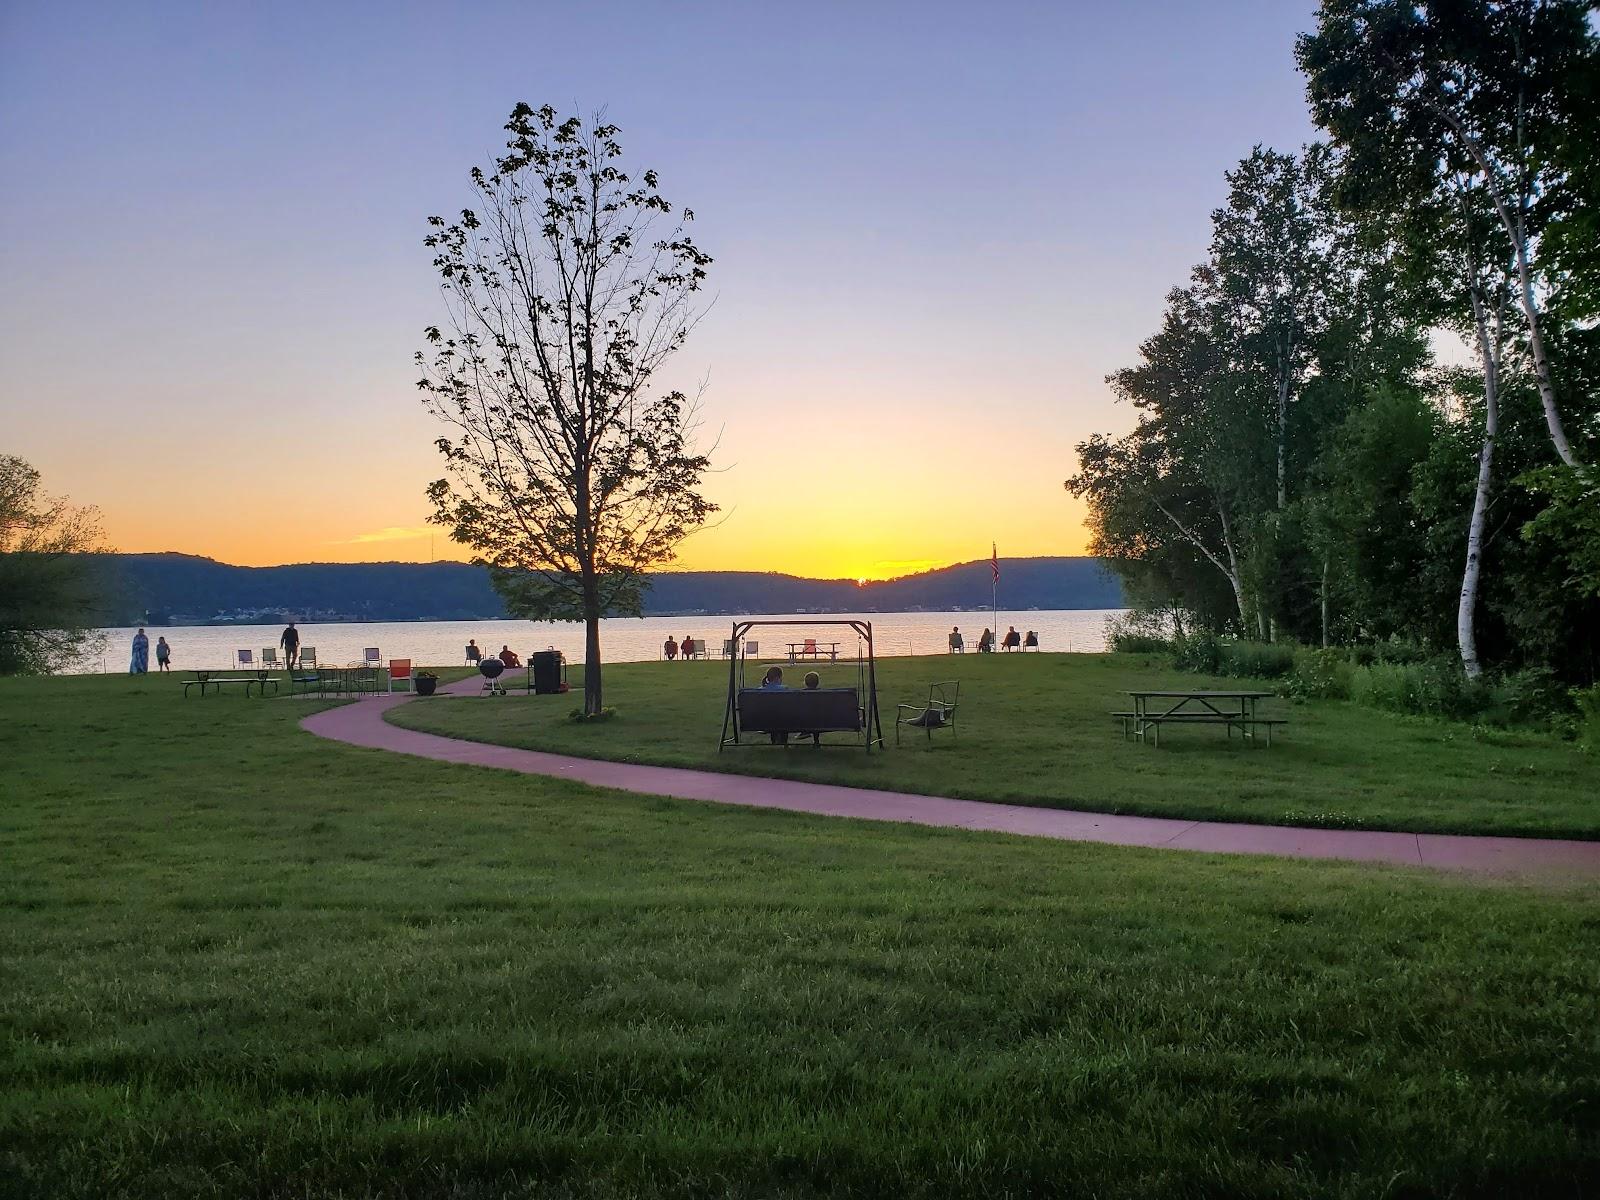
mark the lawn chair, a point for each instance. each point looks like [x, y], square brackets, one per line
[244, 658]
[752, 649]
[269, 660]
[809, 650]
[697, 647]
[370, 657]
[728, 645]
[400, 672]
[308, 657]
[938, 713]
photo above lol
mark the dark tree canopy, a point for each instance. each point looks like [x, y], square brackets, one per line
[51, 587]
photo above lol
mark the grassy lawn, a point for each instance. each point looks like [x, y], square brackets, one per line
[1034, 729]
[238, 960]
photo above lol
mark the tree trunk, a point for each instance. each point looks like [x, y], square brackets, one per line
[591, 662]
[1466, 611]
[1283, 438]
[1324, 601]
[1541, 361]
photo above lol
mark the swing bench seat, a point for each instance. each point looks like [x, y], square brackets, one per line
[804, 710]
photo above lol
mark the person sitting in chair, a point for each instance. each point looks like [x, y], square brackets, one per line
[958, 644]
[509, 657]
[474, 655]
[1013, 640]
[1030, 641]
[670, 649]
[688, 648]
[986, 643]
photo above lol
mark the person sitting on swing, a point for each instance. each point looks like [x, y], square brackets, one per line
[772, 681]
[813, 682]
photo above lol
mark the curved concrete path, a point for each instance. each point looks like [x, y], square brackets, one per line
[361, 723]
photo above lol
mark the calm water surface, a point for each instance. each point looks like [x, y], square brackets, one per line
[622, 639]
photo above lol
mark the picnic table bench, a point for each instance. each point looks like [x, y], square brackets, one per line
[205, 679]
[813, 650]
[1233, 710]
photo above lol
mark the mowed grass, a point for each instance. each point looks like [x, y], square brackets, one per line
[1036, 729]
[236, 960]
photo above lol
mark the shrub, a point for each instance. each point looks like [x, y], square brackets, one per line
[1138, 632]
[1436, 688]
[1534, 696]
[1320, 675]
[1199, 652]
[1587, 701]
[1257, 660]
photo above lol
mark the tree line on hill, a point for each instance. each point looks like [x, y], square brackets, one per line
[179, 589]
[1304, 467]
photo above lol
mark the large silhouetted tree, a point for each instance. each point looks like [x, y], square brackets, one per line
[51, 587]
[567, 288]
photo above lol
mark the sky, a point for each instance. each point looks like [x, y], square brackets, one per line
[936, 228]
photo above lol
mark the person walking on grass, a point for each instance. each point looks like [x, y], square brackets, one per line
[139, 664]
[163, 655]
[290, 641]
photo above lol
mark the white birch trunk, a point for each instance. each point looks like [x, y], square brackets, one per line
[1466, 611]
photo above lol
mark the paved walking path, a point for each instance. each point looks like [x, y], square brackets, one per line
[361, 723]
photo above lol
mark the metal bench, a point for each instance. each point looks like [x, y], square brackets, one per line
[204, 680]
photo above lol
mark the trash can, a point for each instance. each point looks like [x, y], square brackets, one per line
[546, 666]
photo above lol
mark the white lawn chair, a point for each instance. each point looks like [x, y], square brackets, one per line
[269, 659]
[727, 647]
[752, 649]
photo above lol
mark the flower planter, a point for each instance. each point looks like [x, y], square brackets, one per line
[426, 684]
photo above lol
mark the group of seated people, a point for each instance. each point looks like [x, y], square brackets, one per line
[1012, 641]
[507, 655]
[688, 648]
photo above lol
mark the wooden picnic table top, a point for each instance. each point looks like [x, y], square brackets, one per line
[1203, 695]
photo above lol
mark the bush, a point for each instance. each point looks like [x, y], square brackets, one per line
[1320, 675]
[1535, 696]
[1257, 660]
[1587, 701]
[1199, 652]
[1138, 632]
[1436, 688]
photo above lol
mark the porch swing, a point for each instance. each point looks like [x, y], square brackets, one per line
[802, 711]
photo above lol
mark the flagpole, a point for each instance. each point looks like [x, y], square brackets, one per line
[994, 590]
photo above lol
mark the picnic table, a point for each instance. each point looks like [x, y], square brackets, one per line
[1234, 710]
[813, 650]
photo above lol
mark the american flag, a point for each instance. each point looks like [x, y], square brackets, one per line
[994, 562]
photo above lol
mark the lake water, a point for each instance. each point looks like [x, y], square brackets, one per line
[622, 639]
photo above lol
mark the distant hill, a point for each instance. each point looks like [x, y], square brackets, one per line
[182, 589]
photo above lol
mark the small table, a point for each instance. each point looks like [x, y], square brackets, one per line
[1230, 709]
[813, 651]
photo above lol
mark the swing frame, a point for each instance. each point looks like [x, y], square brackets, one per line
[866, 678]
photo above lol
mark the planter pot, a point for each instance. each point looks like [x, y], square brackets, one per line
[425, 685]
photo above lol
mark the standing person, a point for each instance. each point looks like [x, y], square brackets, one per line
[139, 664]
[958, 644]
[474, 655]
[290, 641]
[163, 655]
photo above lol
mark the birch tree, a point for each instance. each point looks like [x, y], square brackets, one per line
[1477, 86]
[566, 289]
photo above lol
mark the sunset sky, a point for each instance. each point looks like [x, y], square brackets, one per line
[936, 228]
